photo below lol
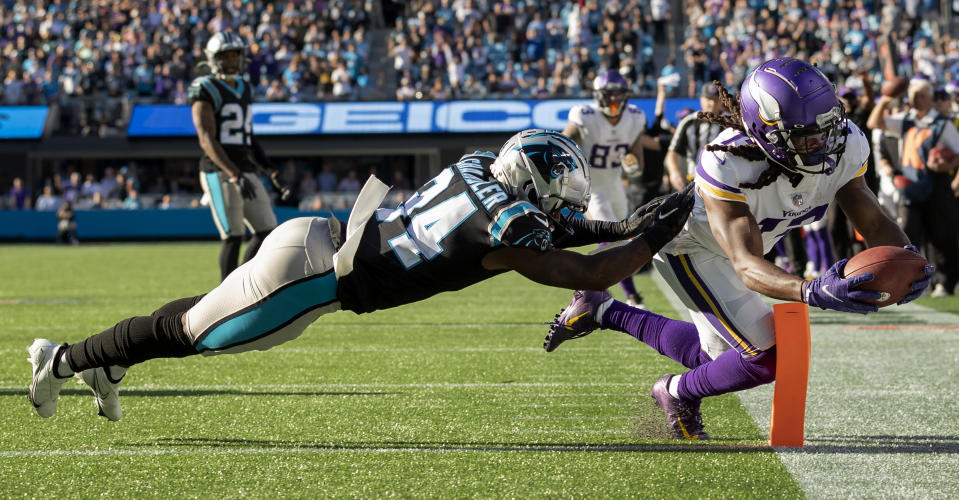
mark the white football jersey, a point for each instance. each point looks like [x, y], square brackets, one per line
[605, 145]
[777, 207]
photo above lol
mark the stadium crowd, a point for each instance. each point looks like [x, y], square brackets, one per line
[78, 53]
[94, 58]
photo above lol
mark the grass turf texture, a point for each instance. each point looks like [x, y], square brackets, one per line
[452, 396]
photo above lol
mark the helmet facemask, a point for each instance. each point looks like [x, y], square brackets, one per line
[816, 149]
[611, 92]
[549, 169]
[221, 44]
[791, 110]
[611, 101]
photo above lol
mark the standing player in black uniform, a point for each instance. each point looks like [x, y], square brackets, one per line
[483, 216]
[223, 117]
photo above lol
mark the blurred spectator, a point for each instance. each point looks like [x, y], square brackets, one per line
[327, 179]
[71, 187]
[19, 195]
[350, 183]
[166, 202]
[132, 201]
[48, 201]
[692, 135]
[400, 182]
[307, 185]
[89, 186]
[929, 200]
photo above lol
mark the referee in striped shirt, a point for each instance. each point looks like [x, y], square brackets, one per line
[692, 134]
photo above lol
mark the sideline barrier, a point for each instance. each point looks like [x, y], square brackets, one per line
[788, 419]
[144, 224]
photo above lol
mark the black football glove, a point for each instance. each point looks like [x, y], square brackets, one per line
[246, 188]
[281, 188]
[666, 219]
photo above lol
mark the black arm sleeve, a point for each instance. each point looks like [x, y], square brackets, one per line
[587, 232]
[260, 156]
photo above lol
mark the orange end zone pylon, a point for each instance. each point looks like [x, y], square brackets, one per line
[788, 420]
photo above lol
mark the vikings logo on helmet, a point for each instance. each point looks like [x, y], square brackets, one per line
[791, 110]
[611, 91]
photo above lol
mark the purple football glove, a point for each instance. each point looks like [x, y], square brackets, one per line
[831, 291]
[918, 286]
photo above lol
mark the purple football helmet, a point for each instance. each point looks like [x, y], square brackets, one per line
[791, 110]
[611, 91]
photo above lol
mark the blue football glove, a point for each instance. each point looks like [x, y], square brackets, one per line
[918, 286]
[831, 291]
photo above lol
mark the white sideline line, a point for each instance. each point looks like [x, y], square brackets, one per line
[320, 387]
[905, 461]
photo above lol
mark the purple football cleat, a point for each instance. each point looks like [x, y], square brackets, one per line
[577, 320]
[685, 421]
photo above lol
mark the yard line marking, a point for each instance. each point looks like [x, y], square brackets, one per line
[568, 405]
[575, 417]
[346, 448]
[311, 350]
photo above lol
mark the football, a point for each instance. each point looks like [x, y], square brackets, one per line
[894, 269]
[945, 154]
[894, 87]
[901, 182]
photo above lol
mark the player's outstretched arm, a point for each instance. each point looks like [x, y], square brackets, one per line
[587, 231]
[601, 270]
[566, 269]
[860, 205]
[862, 208]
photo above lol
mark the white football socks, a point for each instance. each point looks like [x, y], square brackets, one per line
[601, 310]
[63, 366]
[116, 372]
[673, 387]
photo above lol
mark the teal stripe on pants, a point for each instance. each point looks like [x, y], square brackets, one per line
[217, 200]
[270, 314]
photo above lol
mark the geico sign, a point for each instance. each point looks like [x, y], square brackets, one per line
[409, 117]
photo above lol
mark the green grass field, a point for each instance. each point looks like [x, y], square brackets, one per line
[450, 397]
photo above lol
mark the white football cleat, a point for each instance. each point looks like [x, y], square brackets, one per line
[106, 391]
[45, 387]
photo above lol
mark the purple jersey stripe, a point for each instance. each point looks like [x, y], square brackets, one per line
[707, 304]
[701, 173]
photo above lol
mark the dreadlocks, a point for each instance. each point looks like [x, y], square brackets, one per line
[751, 151]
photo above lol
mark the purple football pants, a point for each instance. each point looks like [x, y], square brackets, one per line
[679, 341]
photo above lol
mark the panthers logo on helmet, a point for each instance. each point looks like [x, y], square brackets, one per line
[221, 42]
[546, 166]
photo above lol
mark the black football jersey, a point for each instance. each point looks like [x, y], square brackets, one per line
[436, 241]
[233, 110]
